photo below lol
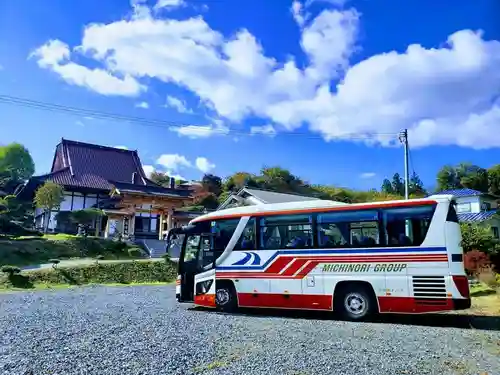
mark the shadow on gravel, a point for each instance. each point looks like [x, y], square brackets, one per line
[490, 323]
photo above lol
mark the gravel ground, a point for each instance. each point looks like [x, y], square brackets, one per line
[142, 330]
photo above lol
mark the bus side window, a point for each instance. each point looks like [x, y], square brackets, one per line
[247, 239]
[286, 232]
[223, 230]
[348, 229]
[407, 226]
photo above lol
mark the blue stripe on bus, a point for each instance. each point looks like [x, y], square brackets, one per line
[320, 252]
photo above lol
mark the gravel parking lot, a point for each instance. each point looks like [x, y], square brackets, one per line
[142, 330]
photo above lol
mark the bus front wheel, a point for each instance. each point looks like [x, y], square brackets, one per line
[354, 302]
[225, 297]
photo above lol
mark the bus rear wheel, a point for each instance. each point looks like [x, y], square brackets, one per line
[225, 297]
[355, 303]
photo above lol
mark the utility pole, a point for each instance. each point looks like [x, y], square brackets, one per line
[403, 138]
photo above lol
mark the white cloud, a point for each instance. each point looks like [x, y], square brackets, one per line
[169, 4]
[199, 131]
[148, 169]
[55, 55]
[266, 130]
[443, 95]
[79, 123]
[176, 176]
[121, 147]
[177, 104]
[367, 175]
[143, 105]
[204, 165]
[173, 161]
[297, 12]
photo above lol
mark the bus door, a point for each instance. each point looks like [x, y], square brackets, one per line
[204, 280]
[194, 260]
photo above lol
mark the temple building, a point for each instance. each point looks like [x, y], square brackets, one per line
[113, 180]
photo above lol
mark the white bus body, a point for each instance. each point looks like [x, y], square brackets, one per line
[387, 257]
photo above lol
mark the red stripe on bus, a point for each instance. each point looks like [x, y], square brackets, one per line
[297, 265]
[279, 264]
[413, 306]
[353, 207]
[325, 302]
[286, 301]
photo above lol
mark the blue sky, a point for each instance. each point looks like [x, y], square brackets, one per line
[317, 86]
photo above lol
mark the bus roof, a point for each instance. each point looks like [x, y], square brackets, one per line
[312, 206]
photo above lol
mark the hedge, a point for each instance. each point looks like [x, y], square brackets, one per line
[107, 273]
[40, 250]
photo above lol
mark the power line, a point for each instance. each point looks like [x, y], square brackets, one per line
[53, 107]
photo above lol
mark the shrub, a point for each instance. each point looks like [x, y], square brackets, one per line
[124, 273]
[13, 229]
[478, 237]
[475, 260]
[487, 276]
[11, 270]
[167, 258]
[135, 252]
[25, 251]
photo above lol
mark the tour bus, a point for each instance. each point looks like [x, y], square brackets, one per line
[354, 259]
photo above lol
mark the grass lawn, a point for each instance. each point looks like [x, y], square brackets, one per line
[48, 286]
[485, 300]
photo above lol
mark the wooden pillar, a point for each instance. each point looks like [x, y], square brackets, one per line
[131, 226]
[170, 215]
[160, 235]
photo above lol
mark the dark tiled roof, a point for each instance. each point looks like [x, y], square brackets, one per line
[153, 190]
[475, 217]
[460, 192]
[94, 165]
[63, 177]
[90, 166]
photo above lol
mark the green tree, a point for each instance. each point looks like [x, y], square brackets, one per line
[473, 177]
[160, 178]
[212, 184]
[387, 187]
[16, 165]
[464, 175]
[447, 179]
[416, 186]
[12, 209]
[478, 237]
[48, 197]
[494, 180]
[398, 185]
[240, 179]
[281, 180]
[208, 201]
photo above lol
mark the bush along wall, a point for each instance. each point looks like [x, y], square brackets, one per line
[40, 250]
[107, 273]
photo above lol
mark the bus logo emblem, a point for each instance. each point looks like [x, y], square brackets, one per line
[250, 258]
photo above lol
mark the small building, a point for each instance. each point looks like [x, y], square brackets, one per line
[112, 179]
[251, 196]
[474, 206]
